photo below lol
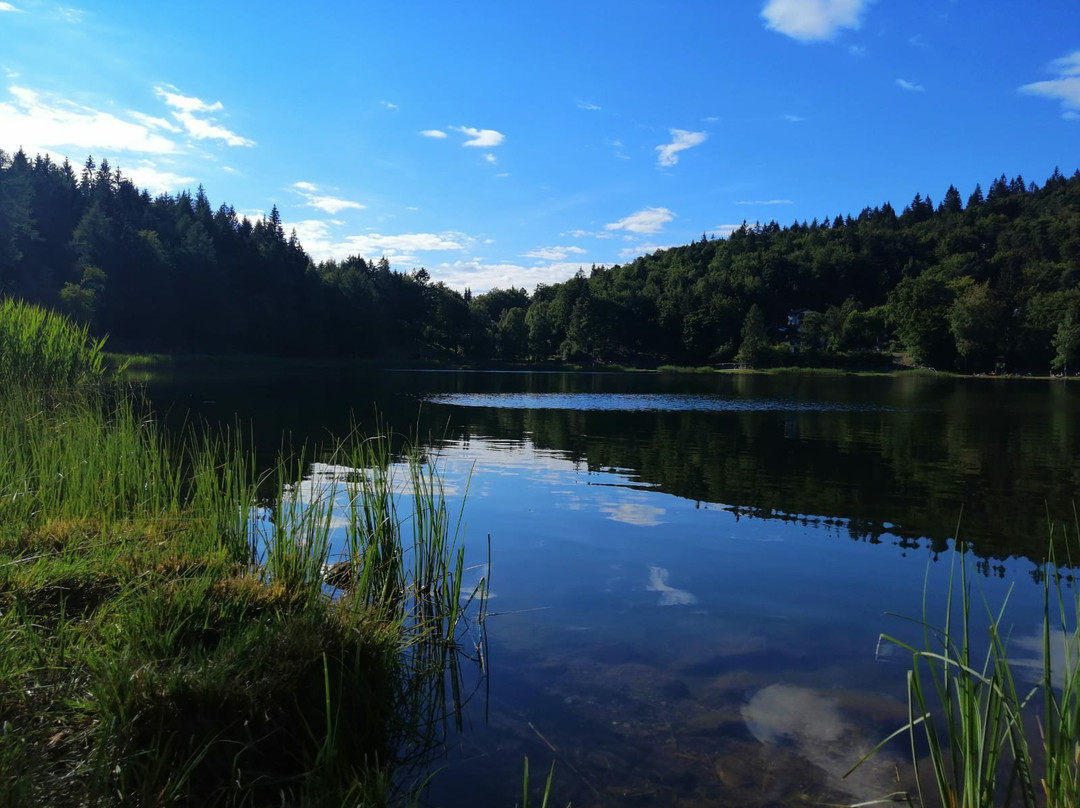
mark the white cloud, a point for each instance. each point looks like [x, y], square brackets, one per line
[187, 109]
[390, 106]
[8, 7]
[647, 220]
[435, 133]
[764, 202]
[319, 239]
[724, 230]
[681, 140]
[324, 202]
[490, 157]
[1065, 88]
[482, 277]
[332, 204]
[589, 106]
[553, 253]
[480, 138]
[809, 20]
[630, 253]
[374, 243]
[42, 122]
[910, 86]
[149, 177]
[153, 122]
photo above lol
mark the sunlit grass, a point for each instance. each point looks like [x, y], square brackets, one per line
[155, 653]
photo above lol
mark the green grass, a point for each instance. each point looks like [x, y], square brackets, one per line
[159, 649]
[989, 741]
[44, 349]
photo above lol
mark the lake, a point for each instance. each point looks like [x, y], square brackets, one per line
[690, 573]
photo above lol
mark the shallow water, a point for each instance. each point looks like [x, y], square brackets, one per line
[690, 574]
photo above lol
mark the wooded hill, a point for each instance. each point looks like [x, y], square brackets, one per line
[993, 283]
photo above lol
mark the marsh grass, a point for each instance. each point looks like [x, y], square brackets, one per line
[988, 740]
[157, 650]
[45, 349]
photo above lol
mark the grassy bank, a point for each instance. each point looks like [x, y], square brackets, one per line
[170, 639]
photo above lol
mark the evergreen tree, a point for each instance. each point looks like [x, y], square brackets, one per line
[755, 339]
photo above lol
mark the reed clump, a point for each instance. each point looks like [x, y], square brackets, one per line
[985, 739]
[168, 638]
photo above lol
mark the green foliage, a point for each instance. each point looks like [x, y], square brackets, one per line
[755, 339]
[917, 310]
[179, 276]
[1066, 343]
[975, 321]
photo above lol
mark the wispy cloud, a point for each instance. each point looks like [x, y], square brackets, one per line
[321, 240]
[8, 7]
[910, 86]
[638, 250]
[724, 230]
[553, 253]
[332, 204]
[148, 176]
[68, 14]
[646, 220]
[46, 121]
[857, 50]
[324, 202]
[588, 105]
[793, 118]
[480, 138]
[435, 133]
[489, 157]
[390, 106]
[194, 115]
[764, 202]
[668, 153]
[153, 122]
[1065, 88]
[810, 20]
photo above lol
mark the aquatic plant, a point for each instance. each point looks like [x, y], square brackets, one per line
[988, 742]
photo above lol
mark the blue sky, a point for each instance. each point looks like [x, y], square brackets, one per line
[500, 143]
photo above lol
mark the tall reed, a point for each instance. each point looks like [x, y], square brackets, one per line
[155, 654]
[45, 349]
[988, 741]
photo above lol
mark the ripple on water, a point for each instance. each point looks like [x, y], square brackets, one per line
[644, 402]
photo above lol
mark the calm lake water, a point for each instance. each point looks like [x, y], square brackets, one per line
[689, 574]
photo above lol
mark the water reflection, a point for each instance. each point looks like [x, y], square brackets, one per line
[900, 456]
[669, 595]
[643, 402]
[765, 678]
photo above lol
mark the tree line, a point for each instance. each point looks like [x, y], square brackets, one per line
[993, 283]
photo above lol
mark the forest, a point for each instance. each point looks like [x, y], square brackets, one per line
[990, 284]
